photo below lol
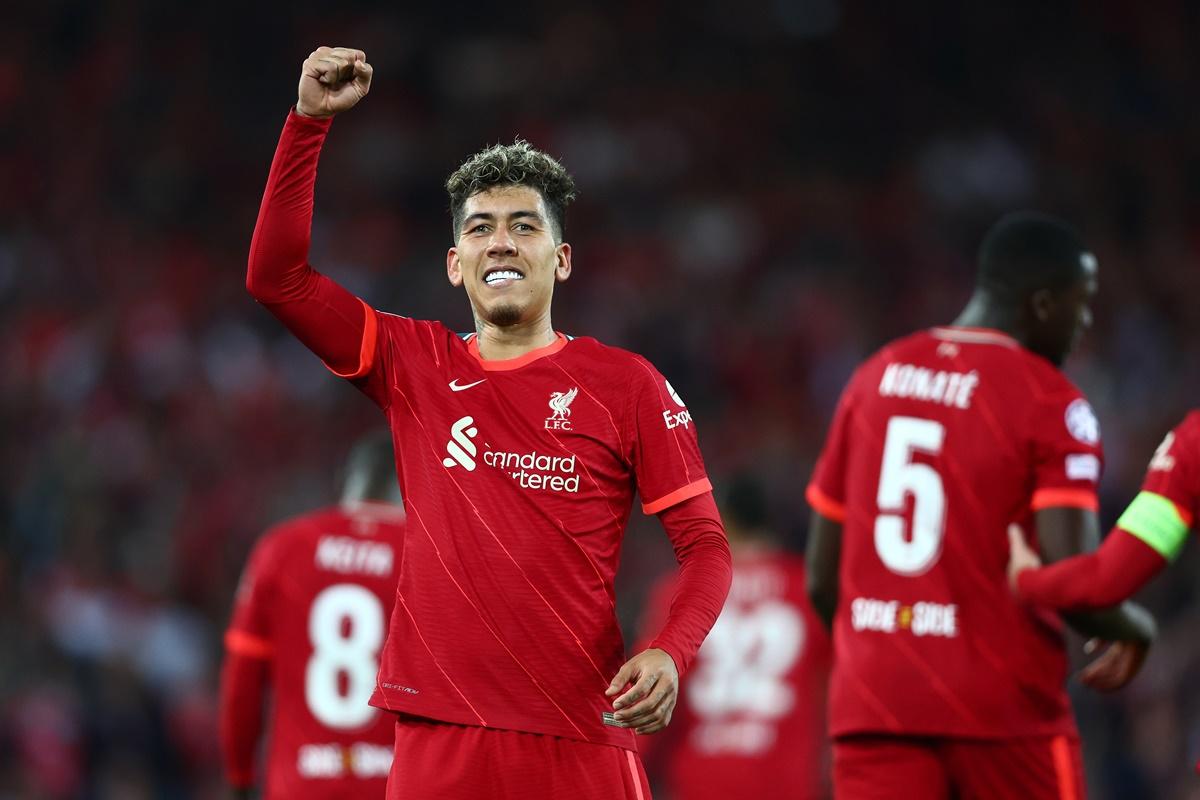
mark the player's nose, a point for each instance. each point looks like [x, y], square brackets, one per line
[501, 243]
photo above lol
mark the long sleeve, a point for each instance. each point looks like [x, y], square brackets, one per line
[329, 320]
[705, 571]
[1110, 574]
[243, 686]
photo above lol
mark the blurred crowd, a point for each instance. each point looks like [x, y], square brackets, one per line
[767, 195]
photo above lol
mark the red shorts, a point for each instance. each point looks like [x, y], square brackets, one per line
[889, 767]
[466, 762]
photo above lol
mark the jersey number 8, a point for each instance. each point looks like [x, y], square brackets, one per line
[900, 476]
[345, 627]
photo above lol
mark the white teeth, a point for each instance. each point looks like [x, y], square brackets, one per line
[503, 275]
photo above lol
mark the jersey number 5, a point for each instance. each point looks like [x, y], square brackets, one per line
[346, 629]
[900, 476]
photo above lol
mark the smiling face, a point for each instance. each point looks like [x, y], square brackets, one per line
[507, 256]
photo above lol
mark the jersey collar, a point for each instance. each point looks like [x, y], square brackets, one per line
[505, 364]
[967, 335]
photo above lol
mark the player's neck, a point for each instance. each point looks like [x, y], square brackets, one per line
[983, 313]
[502, 342]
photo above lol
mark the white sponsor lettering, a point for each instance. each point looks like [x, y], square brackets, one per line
[369, 760]
[738, 737]
[934, 619]
[537, 471]
[677, 419]
[345, 555]
[320, 761]
[889, 616]
[460, 447]
[950, 389]
[1082, 423]
[1083, 467]
[873, 615]
[361, 759]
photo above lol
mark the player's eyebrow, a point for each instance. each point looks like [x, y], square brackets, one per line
[487, 216]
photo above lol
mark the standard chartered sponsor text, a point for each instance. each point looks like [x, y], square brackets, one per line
[536, 470]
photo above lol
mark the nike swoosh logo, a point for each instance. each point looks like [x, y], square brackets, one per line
[454, 387]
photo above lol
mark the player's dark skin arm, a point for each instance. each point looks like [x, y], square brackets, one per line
[823, 557]
[1066, 532]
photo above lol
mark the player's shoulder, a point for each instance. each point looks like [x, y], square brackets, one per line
[399, 326]
[285, 535]
[1189, 428]
[607, 355]
[612, 367]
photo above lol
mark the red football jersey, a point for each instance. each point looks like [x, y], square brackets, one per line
[314, 601]
[751, 713]
[1174, 471]
[518, 477]
[940, 441]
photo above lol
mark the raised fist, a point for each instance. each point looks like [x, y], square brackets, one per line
[332, 80]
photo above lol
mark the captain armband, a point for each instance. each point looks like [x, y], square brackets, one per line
[1158, 522]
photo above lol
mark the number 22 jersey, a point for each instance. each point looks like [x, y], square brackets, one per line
[940, 441]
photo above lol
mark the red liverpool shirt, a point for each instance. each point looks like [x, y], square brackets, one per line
[940, 441]
[313, 603]
[1174, 471]
[518, 477]
[751, 712]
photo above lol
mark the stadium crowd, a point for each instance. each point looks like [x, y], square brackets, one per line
[765, 198]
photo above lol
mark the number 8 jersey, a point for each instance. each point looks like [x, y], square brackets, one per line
[312, 609]
[940, 441]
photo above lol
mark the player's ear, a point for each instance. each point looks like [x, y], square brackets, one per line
[1042, 303]
[562, 265]
[454, 267]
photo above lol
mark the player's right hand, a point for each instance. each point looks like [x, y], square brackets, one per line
[332, 80]
[1115, 667]
[1020, 555]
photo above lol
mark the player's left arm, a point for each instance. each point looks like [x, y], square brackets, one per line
[245, 671]
[705, 571]
[823, 557]
[243, 688]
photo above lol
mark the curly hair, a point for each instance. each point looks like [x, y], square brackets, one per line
[516, 164]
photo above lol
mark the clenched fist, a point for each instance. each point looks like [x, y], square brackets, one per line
[332, 80]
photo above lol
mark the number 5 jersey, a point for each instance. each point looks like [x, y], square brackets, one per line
[940, 441]
[309, 619]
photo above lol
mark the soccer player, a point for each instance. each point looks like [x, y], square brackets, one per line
[751, 715]
[519, 450]
[1148, 537]
[308, 623]
[942, 684]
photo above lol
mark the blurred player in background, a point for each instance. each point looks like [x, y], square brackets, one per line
[308, 624]
[519, 450]
[942, 684]
[751, 718]
[1148, 537]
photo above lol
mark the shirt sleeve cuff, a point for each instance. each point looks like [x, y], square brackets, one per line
[1065, 498]
[366, 351]
[678, 496]
[248, 645]
[825, 505]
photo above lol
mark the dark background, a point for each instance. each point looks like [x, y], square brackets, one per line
[769, 191]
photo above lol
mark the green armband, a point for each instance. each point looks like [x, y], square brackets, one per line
[1156, 521]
